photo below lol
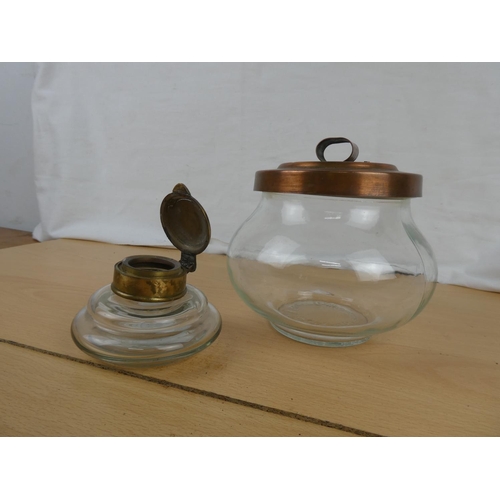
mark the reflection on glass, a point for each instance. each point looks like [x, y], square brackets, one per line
[332, 271]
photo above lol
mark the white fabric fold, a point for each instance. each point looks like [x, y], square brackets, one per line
[111, 140]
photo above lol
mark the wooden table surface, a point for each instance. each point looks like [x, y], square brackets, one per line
[439, 375]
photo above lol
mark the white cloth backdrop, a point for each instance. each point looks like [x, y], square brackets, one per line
[111, 140]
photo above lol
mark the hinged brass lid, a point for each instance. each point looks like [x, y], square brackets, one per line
[186, 225]
[347, 178]
[151, 278]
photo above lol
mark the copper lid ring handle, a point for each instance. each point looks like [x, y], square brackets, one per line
[322, 145]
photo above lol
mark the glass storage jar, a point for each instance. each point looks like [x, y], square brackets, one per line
[331, 255]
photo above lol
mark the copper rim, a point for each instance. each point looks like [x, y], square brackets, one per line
[352, 184]
[336, 178]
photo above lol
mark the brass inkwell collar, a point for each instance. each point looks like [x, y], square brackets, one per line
[151, 278]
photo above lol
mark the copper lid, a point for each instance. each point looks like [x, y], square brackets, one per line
[347, 178]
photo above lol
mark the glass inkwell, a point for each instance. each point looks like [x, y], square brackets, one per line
[331, 255]
[148, 315]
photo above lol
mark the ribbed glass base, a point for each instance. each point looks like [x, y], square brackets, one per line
[322, 340]
[126, 332]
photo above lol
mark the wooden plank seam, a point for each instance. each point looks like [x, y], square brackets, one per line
[201, 392]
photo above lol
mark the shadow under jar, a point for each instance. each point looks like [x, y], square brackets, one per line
[331, 255]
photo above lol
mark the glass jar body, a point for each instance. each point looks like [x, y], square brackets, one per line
[332, 271]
